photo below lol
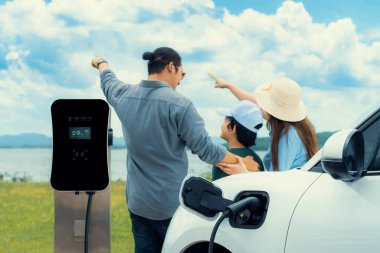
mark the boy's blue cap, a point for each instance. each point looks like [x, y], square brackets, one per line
[246, 113]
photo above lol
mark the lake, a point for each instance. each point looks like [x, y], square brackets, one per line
[35, 163]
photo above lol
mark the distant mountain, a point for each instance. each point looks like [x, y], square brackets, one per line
[25, 140]
[39, 140]
[263, 143]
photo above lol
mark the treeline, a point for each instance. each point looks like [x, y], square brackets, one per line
[263, 143]
[42, 141]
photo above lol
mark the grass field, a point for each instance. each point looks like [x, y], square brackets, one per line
[27, 216]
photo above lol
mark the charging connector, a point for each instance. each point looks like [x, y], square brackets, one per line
[240, 210]
[250, 203]
[247, 211]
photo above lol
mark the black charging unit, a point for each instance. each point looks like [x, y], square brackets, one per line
[80, 137]
[81, 140]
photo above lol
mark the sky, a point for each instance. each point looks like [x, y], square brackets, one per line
[331, 48]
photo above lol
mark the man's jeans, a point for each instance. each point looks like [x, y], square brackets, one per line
[148, 234]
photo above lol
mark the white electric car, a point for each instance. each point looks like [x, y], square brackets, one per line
[331, 204]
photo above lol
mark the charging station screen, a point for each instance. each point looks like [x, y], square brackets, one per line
[80, 133]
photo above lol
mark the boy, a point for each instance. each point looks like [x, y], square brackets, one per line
[239, 129]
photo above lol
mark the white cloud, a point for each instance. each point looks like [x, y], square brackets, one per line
[328, 110]
[332, 110]
[26, 18]
[26, 97]
[15, 54]
[248, 49]
[295, 46]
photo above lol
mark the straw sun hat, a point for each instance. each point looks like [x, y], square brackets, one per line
[282, 99]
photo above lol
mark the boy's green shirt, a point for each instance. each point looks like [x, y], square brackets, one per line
[217, 173]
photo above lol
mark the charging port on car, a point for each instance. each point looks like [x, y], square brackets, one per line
[251, 219]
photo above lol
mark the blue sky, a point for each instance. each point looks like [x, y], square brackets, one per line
[364, 13]
[331, 48]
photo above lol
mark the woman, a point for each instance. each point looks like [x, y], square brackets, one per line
[293, 138]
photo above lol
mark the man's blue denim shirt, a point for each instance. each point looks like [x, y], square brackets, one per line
[158, 123]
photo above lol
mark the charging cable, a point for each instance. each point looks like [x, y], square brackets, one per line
[217, 224]
[88, 216]
[240, 208]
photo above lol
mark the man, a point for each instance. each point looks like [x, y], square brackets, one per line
[158, 123]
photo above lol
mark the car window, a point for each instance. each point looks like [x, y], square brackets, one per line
[377, 161]
[371, 134]
[317, 168]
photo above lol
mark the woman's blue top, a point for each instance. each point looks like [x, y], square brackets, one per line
[291, 152]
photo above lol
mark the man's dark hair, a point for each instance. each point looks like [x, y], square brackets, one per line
[161, 57]
[244, 136]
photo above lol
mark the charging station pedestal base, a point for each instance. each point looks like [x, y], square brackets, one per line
[70, 220]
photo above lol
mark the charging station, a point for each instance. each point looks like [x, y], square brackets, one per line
[80, 175]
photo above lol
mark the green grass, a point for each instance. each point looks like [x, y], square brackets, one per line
[27, 216]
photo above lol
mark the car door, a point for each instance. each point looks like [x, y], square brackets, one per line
[337, 216]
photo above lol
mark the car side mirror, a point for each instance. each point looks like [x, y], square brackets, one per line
[343, 155]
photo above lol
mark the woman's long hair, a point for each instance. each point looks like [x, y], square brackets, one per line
[304, 129]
